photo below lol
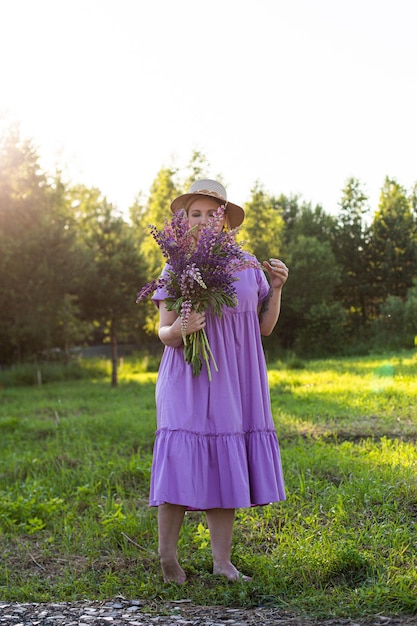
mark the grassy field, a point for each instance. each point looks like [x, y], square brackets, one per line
[75, 458]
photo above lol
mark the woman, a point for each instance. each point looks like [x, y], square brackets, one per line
[216, 448]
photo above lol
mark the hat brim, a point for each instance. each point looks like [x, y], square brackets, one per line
[235, 213]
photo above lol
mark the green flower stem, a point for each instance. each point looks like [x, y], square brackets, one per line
[197, 349]
[208, 354]
[205, 355]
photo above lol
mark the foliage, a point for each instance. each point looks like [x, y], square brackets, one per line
[350, 243]
[27, 374]
[263, 227]
[156, 210]
[114, 267]
[411, 311]
[324, 332]
[313, 222]
[389, 328]
[317, 273]
[70, 263]
[37, 256]
[396, 326]
[316, 277]
[393, 244]
[75, 523]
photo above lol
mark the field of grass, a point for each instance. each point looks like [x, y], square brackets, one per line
[75, 458]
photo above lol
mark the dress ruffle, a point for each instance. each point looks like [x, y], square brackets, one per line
[205, 471]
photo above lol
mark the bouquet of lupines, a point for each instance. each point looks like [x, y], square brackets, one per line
[201, 270]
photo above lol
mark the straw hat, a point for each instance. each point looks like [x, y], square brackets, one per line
[210, 189]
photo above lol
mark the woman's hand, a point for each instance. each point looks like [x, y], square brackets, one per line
[196, 321]
[170, 325]
[278, 273]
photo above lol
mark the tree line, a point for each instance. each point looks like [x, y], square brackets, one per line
[71, 263]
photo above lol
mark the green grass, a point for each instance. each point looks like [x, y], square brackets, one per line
[75, 458]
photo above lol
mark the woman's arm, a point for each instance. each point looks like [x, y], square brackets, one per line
[269, 311]
[270, 308]
[170, 325]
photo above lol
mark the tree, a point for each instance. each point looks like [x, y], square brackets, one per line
[36, 251]
[392, 248]
[196, 169]
[413, 200]
[154, 212]
[310, 289]
[115, 269]
[263, 227]
[324, 332]
[289, 209]
[410, 313]
[389, 329]
[313, 222]
[350, 243]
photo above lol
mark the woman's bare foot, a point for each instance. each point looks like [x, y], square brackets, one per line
[172, 572]
[230, 572]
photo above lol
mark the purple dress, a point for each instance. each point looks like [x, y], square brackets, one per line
[216, 445]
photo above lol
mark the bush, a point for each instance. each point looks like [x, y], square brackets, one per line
[325, 331]
[390, 331]
[27, 374]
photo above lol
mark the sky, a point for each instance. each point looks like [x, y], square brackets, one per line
[297, 95]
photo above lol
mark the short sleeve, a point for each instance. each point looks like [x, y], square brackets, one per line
[263, 285]
[160, 293]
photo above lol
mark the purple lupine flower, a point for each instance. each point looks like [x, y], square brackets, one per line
[201, 272]
[190, 275]
[186, 308]
[146, 291]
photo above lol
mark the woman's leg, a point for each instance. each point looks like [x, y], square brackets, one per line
[220, 523]
[170, 518]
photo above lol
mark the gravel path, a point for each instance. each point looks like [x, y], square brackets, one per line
[121, 612]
